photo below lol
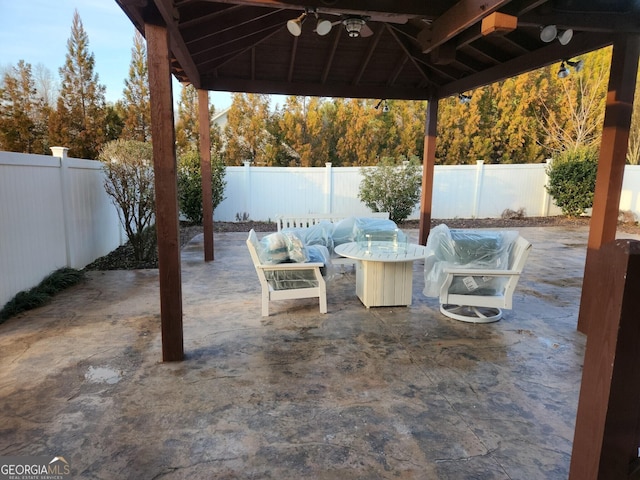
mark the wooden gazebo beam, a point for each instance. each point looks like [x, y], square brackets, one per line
[456, 20]
[205, 168]
[164, 165]
[611, 163]
[428, 167]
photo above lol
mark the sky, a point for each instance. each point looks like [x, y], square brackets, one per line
[37, 31]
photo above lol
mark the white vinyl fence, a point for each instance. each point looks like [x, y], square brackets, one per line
[54, 211]
[459, 191]
[462, 191]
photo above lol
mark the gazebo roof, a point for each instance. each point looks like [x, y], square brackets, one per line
[408, 49]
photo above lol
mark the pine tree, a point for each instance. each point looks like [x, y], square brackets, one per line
[187, 135]
[360, 131]
[246, 134]
[514, 126]
[293, 125]
[402, 133]
[79, 119]
[305, 129]
[278, 152]
[137, 107]
[21, 126]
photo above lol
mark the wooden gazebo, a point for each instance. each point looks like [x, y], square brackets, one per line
[417, 50]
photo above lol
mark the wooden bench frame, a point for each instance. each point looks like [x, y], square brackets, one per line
[306, 221]
[269, 293]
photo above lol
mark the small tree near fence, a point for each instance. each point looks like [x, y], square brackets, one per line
[190, 184]
[128, 166]
[392, 187]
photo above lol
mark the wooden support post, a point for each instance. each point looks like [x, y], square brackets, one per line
[205, 168]
[613, 151]
[607, 434]
[166, 185]
[428, 166]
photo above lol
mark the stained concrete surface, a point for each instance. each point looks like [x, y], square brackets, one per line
[380, 393]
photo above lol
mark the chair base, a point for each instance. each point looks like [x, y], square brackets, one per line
[471, 314]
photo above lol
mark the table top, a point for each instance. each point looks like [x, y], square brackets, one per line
[382, 251]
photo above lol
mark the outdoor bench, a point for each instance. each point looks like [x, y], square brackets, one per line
[285, 281]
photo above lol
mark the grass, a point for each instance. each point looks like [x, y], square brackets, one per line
[41, 293]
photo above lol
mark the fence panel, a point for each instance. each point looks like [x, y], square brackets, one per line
[346, 185]
[32, 222]
[264, 192]
[54, 212]
[630, 194]
[453, 194]
[93, 225]
[514, 187]
[281, 189]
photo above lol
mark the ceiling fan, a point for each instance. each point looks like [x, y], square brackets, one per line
[355, 25]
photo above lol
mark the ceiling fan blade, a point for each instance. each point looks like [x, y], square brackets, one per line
[365, 31]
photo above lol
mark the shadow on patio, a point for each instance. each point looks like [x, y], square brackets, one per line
[356, 393]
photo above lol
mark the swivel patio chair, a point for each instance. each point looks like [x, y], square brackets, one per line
[474, 273]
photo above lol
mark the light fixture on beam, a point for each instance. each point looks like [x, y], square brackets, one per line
[565, 36]
[550, 32]
[356, 26]
[385, 106]
[577, 65]
[498, 23]
[323, 26]
[564, 71]
[464, 98]
[295, 25]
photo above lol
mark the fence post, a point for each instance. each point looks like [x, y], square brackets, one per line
[328, 188]
[247, 189]
[478, 188]
[546, 198]
[61, 153]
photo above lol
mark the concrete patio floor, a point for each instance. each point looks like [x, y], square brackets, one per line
[398, 393]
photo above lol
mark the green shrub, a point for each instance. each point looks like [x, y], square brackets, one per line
[572, 181]
[190, 185]
[42, 293]
[392, 187]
